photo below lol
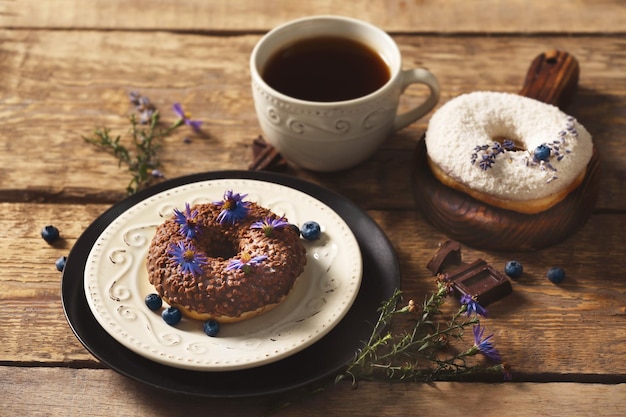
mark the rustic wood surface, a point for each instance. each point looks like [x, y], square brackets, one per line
[441, 16]
[66, 67]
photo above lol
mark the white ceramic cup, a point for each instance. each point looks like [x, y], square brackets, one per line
[332, 136]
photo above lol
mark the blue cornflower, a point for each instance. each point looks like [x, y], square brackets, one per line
[185, 117]
[268, 224]
[484, 346]
[188, 221]
[186, 256]
[246, 262]
[233, 207]
[472, 306]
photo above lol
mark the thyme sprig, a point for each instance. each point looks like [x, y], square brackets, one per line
[141, 155]
[424, 351]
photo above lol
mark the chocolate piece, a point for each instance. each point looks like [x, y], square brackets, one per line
[448, 254]
[480, 280]
[266, 157]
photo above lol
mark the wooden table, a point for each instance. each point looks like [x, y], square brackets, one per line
[67, 67]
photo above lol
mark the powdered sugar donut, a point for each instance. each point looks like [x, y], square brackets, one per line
[507, 150]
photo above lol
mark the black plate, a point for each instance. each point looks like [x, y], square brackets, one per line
[323, 359]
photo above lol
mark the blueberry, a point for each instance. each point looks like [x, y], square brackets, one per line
[211, 327]
[514, 269]
[556, 274]
[172, 315]
[311, 230]
[153, 301]
[60, 263]
[542, 153]
[50, 234]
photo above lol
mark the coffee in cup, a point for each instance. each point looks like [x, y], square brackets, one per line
[335, 69]
[326, 90]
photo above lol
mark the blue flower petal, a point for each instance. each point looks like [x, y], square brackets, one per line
[188, 258]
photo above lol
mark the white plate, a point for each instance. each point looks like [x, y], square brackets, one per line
[116, 283]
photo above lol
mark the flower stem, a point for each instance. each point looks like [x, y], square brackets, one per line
[141, 158]
[420, 353]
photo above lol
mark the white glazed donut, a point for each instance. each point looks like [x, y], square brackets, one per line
[508, 150]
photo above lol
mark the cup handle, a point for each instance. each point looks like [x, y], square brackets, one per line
[418, 76]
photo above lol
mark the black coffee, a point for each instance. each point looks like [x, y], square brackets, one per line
[326, 69]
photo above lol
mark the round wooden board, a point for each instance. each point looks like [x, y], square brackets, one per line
[552, 78]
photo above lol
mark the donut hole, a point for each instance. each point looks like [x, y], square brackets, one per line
[218, 246]
[518, 143]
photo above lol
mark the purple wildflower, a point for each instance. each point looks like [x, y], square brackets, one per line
[487, 161]
[484, 346]
[143, 105]
[246, 262]
[472, 306]
[133, 97]
[185, 117]
[268, 225]
[146, 116]
[233, 207]
[188, 221]
[486, 155]
[509, 145]
[186, 256]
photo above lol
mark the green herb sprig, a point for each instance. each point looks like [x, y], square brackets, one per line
[141, 155]
[422, 352]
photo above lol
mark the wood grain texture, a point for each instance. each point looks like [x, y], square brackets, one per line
[552, 78]
[82, 392]
[60, 85]
[67, 66]
[425, 16]
[591, 301]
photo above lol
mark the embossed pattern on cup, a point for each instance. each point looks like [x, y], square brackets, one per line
[331, 136]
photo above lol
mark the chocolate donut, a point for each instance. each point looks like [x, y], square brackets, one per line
[228, 261]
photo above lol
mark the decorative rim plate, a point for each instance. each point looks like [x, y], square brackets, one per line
[116, 283]
[319, 362]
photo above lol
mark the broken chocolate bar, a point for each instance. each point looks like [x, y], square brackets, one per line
[478, 280]
[448, 254]
[266, 157]
[481, 281]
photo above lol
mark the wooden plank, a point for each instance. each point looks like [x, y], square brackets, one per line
[449, 16]
[31, 284]
[87, 392]
[537, 321]
[60, 85]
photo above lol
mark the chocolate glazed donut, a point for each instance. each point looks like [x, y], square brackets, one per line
[227, 271]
